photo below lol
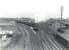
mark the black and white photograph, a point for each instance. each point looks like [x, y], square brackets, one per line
[34, 24]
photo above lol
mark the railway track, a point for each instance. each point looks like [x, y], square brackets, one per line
[32, 40]
[41, 40]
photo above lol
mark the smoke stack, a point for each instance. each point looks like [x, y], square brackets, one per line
[61, 12]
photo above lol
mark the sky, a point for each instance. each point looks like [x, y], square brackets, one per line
[40, 10]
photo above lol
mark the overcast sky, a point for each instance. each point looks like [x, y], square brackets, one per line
[37, 9]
